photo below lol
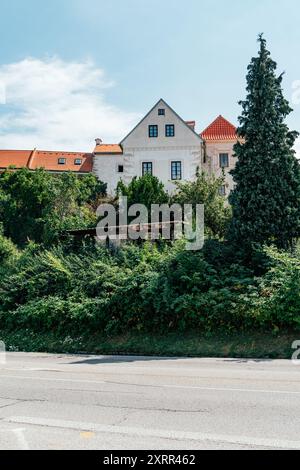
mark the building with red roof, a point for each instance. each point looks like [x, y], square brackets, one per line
[220, 130]
[162, 144]
[218, 158]
[53, 161]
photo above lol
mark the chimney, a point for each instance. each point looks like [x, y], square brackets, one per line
[98, 141]
[191, 124]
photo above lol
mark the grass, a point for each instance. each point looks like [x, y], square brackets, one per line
[243, 345]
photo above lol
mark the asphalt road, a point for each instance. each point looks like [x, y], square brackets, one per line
[104, 402]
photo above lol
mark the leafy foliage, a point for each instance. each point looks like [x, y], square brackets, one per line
[146, 190]
[266, 201]
[147, 289]
[205, 190]
[37, 205]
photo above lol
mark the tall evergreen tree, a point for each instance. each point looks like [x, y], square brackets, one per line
[266, 200]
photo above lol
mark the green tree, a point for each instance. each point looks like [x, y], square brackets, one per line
[8, 251]
[37, 205]
[25, 197]
[266, 200]
[205, 190]
[145, 190]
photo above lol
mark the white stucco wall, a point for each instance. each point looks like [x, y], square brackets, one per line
[138, 147]
[161, 159]
[105, 168]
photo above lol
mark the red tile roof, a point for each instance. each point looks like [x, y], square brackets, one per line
[15, 158]
[220, 129]
[33, 159]
[108, 149]
[49, 161]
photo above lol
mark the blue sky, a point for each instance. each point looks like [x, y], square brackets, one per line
[74, 70]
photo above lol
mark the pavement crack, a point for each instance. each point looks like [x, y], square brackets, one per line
[9, 404]
[22, 400]
[136, 408]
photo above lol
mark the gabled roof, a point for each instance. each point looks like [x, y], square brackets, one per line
[220, 129]
[108, 149]
[15, 158]
[163, 102]
[34, 159]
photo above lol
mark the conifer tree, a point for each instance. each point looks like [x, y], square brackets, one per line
[266, 199]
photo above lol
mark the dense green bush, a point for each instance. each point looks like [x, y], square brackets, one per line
[8, 252]
[148, 288]
[37, 205]
[83, 286]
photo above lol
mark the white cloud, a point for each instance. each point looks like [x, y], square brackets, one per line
[53, 104]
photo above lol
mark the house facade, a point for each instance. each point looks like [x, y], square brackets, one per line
[219, 139]
[161, 144]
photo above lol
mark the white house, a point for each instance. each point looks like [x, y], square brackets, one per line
[162, 144]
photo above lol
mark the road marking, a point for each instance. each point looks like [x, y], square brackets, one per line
[183, 387]
[219, 389]
[87, 435]
[22, 377]
[156, 433]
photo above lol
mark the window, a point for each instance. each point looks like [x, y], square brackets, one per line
[77, 161]
[176, 171]
[120, 169]
[224, 160]
[153, 131]
[222, 190]
[170, 130]
[147, 168]
[161, 112]
[61, 161]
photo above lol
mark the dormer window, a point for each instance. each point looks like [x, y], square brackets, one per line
[77, 161]
[62, 161]
[161, 112]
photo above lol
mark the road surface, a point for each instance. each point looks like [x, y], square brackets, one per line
[104, 402]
